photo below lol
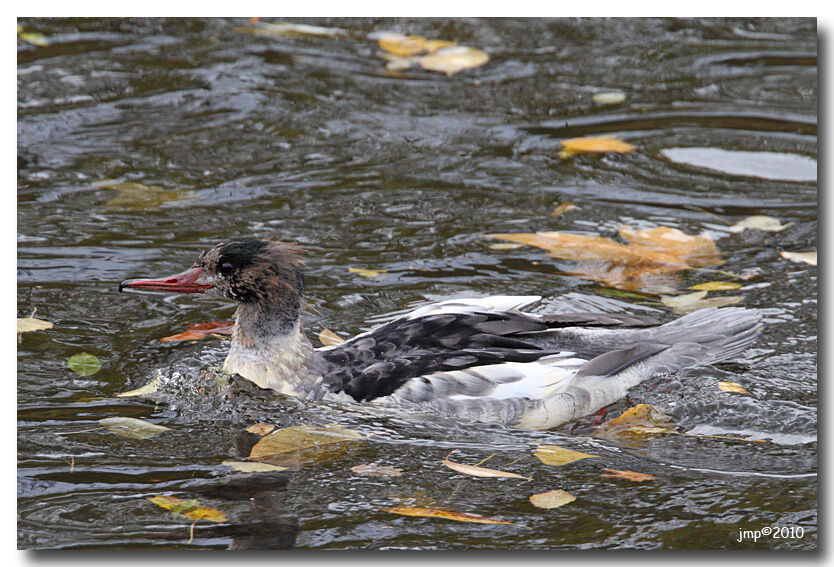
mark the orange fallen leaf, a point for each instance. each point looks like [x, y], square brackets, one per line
[410, 45]
[562, 209]
[446, 515]
[482, 472]
[628, 475]
[642, 419]
[601, 144]
[732, 387]
[197, 331]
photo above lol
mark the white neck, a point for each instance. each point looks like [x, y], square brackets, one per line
[273, 357]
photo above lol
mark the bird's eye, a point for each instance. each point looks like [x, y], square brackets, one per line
[226, 268]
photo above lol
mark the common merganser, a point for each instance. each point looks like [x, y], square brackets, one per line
[480, 359]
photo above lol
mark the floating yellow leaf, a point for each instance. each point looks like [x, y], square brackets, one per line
[716, 286]
[732, 387]
[556, 456]
[290, 29]
[694, 250]
[148, 388]
[33, 38]
[479, 471]
[29, 324]
[329, 338]
[136, 196]
[552, 499]
[374, 469]
[505, 246]
[683, 304]
[628, 475]
[366, 273]
[641, 419]
[562, 209]
[250, 467]
[302, 442]
[609, 98]
[807, 257]
[190, 509]
[601, 144]
[260, 428]
[410, 45]
[446, 515]
[132, 427]
[451, 60]
[759, 222]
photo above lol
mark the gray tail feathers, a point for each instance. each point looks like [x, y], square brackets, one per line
[721, 333]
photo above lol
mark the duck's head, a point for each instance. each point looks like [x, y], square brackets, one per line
[261, 272]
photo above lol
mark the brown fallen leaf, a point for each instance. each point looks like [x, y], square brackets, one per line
[694, 250]
[593, 145]
[446, 515]
[556, 456]
[260, 428]
[562, 209]
[329, 338]
[732, 387]
[551, 499]
[642, 419]
[199, 331]
[683, 304]
[301, 443]
[374, 469]
[628, 475]
[482, 472]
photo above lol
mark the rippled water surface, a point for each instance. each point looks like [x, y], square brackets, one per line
[310, 139]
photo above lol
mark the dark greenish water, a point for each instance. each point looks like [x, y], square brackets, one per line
[309, 139]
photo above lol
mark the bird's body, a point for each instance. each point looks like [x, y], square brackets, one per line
[481, 359]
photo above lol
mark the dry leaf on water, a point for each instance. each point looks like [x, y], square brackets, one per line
[596, 145]
[556, 456]
[451, 60]
[562, 209]
[190, 509]
[609, 98]
[628, 475]
[551, 499]
[260, 428]
[410, 45]
[250, 467]
[132, 427]
[290, 29]
[716, 286]
[732, 387]
[366, 273]
[687, 303]
[446, 515]
[375, 469]
[641, 419]
[767, 224]
[148, 388]
[199, 331]
[329, 338]
[482, 472]
[29, 324]
[806, 257]
[648, 262]
[301, 443]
